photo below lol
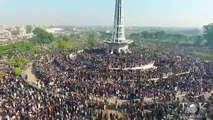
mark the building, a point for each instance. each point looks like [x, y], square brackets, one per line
[118, 43]
[22, 31]
[5, 33]
[54, 30]
[5, 36]
[27, 36]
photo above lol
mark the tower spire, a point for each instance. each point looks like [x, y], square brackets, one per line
[118, 42]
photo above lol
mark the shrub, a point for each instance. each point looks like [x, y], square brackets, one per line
[17, 71]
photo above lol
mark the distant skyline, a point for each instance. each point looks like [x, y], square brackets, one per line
[145, 13]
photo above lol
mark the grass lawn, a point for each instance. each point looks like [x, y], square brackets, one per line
[18, 46]
[203, 54]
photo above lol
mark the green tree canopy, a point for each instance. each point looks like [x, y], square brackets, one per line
[63, 44]
[92, 40]
[15, 32]
[17, 62]
[105, 35]
[29, 29]
[208, 34]
[198, 40]
[167, 37]
[42, 36]
[160, 34]
[146, 35]
[18, 46]
[134, 36]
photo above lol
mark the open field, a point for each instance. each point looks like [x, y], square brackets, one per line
[203, 54]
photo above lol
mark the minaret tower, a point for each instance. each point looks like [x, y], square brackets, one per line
[118, 43]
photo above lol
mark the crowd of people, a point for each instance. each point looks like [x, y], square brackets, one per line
[81, 88]
[21, 101]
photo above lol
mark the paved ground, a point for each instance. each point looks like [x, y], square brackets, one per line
[143, 67]
[113, 112]
[31, 78]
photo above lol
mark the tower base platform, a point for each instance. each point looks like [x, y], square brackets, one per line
[122, 47]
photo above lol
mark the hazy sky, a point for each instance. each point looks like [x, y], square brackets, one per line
[164, 13]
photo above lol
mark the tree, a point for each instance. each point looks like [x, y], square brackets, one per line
[17, 62]
[208, 34]
[42, 36]
[29, 29]
[16, 31]
[62, 44]
[198, 40]
[134, 36]
[178, 36]
[105, 36]
[160, 34]
[146, 35]
[92, 40]
[17, 46]
[17, 71]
